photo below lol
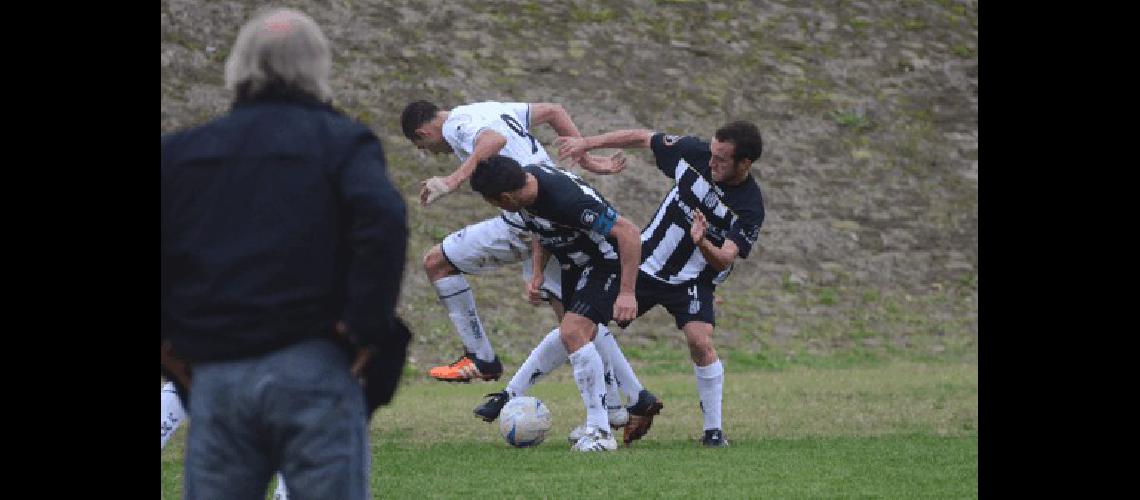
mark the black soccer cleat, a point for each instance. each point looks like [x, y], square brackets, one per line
[714, 438]
[489, 410]
[641, 416]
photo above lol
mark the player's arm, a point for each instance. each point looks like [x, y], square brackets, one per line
[487, 144]
[554, 115]
[574, 147]
[559, 119]
[629, 254]
[718, 257]
[539, 257]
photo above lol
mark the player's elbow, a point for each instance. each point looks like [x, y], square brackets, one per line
[547, 112]
[719, 265]
[497, 142]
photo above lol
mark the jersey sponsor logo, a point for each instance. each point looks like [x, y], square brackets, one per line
[588, 217]
[670, 140]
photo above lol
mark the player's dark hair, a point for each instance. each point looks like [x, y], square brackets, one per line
[496, 175]
[745, 138]
[415, 115]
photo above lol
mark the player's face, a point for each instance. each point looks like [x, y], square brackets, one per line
[426, 142]
[721, 161]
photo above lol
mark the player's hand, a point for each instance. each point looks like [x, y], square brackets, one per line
[431, 189]
[615, 163]
[625, 308]
[534, 292]
[699, 226]
[571, 147]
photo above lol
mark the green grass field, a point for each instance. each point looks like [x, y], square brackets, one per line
[896, 429]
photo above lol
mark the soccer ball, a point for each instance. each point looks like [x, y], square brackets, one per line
[524, 422]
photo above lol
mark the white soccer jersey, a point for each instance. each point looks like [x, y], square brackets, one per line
[510, 120]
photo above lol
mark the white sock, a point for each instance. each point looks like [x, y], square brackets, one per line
[588, 374]
[710, 386]
[172, 412]
[456, 296]
[281, 493]
[547, 356]
[623, 374]
[613, 391]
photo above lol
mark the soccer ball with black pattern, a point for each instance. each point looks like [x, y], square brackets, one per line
[524, 422]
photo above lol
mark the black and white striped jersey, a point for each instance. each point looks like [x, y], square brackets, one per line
[571, 219]
[733, 212]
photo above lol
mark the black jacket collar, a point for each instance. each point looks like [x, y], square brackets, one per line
[277, 93]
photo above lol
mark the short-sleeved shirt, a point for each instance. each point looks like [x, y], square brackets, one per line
[508, 119]
[733, 212]
[571, 219]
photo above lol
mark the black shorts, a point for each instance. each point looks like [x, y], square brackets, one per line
[591, 291]
[687, 302]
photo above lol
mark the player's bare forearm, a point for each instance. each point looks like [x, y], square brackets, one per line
[629, 252]
[539, 256]
[489, 143]
[718, 257]
[559, 119]
[630, 138]
[577, 147]
[554, 115]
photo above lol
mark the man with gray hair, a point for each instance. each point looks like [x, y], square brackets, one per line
[283, 247]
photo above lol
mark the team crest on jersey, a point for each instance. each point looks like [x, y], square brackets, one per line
[710, 200]
[588, 216]
[670, 140]
[458, 122]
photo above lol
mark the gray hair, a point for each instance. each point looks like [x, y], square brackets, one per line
[280, 46]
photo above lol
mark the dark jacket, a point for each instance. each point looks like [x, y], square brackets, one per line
[278, 220]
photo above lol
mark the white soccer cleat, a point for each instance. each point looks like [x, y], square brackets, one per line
[596, 440]
[619, 417]
[577, 433]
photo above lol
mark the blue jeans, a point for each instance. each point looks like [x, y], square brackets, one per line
[297, 410]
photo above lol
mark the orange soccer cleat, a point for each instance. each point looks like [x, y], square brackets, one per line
[468, 368]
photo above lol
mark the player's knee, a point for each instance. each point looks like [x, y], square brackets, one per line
[702, 353]
[435, 265]
[575, 331]
[700, 345]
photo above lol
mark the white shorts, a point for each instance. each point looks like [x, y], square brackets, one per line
[496, 242]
